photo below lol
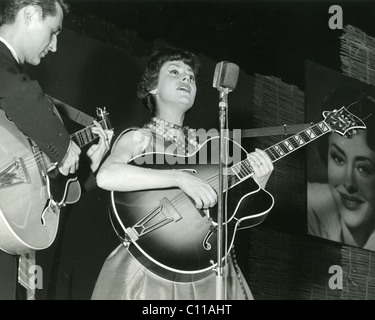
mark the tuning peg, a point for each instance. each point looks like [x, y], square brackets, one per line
[350, 133]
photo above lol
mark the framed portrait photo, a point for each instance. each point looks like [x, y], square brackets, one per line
[340, 166]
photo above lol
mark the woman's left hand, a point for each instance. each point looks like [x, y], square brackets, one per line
[262, 166]
[97, 151]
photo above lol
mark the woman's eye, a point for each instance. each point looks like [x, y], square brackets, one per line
[366, 170]
[336, 158]
[174, 72]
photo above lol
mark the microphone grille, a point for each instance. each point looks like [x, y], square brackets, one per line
[226, 75]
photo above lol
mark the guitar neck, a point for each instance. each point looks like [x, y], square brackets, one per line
[297, 141]
[243, 169]
[85, 136]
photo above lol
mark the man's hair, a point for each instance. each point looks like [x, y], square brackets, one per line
[358, 102]
[150, 77]
[10, 8]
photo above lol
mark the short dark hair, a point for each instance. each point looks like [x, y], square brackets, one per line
[150, 77]
[10, 8]
[358, 102]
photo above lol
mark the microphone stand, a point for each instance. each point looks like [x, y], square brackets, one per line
[223, 103]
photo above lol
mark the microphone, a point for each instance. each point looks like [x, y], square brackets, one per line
[226, 76]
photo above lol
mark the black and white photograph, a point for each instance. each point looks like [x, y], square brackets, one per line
[187, 150]
[340, 195]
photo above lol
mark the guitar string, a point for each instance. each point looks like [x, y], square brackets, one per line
[212, 180]
[79, 136]
[39, 159]
[313, 128]
[37, 156]
[181, 197]
[274, 154]
[243, 169]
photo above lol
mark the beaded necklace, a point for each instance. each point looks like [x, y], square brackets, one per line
[182, 136]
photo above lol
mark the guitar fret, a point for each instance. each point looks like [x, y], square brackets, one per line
[288, 145]
[85, 137]
[75, 138]
[241, 174]
[293, 142]
[305, 137]
[283, 147]
[247, 167]
[299, 140]
[317, 131]
[279, 151]
[90, 134]
[271, 153]
[235, 168]
[80, 139]
[323, 127]
[242, 169]
[320, 129]
[310, 134]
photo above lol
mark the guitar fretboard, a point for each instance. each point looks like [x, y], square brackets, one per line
[85, 136]
[243, 169]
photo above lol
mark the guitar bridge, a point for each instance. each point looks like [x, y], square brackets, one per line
[14, 174]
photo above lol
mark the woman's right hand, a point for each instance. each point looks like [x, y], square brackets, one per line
[203, 195]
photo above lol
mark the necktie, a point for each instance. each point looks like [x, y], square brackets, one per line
[25, 261]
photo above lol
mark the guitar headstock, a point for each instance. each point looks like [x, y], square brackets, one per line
[343, 122]
[103, 116]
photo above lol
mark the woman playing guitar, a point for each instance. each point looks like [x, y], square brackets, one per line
[168, 90]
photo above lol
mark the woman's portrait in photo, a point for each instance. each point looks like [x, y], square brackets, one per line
[341, 168]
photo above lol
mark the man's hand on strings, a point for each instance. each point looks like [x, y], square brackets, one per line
[97, 151]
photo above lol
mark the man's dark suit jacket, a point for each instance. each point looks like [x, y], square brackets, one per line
[25, 103]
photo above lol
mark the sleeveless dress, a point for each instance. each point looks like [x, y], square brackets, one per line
[123, 277]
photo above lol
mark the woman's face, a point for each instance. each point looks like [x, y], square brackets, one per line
[351, 176]
[176, 85]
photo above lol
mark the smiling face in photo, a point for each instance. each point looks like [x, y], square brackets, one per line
[351, 175]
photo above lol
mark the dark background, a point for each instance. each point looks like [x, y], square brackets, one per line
[269, 37]
[101, 54]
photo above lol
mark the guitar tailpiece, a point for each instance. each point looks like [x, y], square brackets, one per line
[126, 241]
